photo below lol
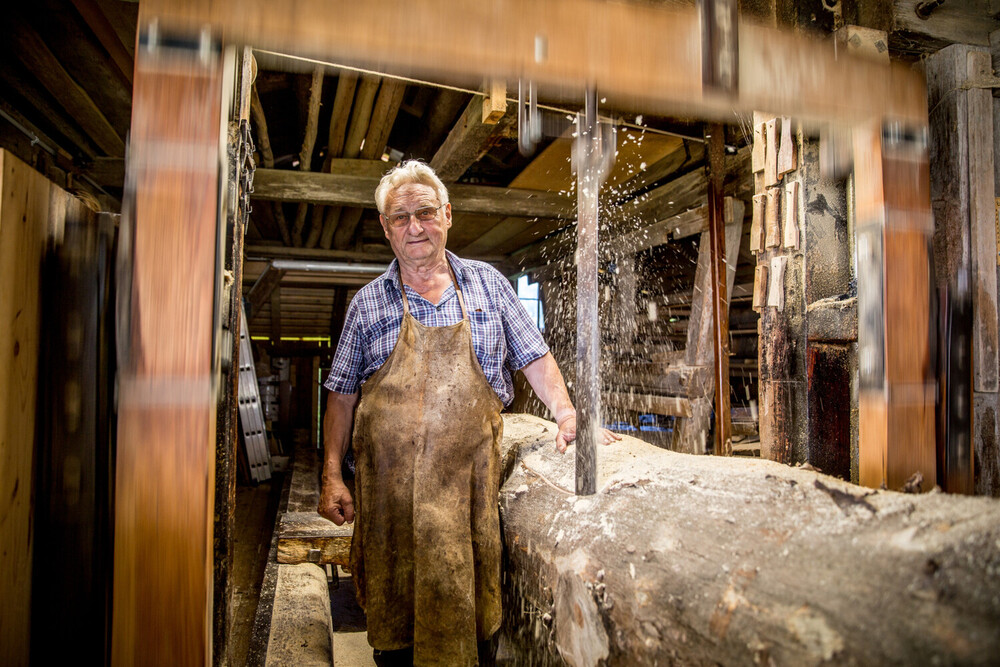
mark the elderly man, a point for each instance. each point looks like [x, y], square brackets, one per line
[430, 345]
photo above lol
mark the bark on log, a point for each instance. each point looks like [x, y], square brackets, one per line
[698, 560]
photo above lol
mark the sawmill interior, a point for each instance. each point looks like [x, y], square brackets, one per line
[760, 237]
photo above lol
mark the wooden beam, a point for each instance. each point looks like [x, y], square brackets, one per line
[105, 32]
[44, 65]
[275, 314]
[308, 143]
[261, 291]
[390, 96]
[267, 159]
[284, 252]
[337, 134]
[950, 23]
[651, 573]
[791, 74]
[315, 188]
[467, 141]
[361, 116]
[691, 153]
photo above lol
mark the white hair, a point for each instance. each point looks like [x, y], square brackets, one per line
[411, 171]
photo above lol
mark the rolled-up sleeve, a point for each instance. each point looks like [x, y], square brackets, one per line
[348, 362]
[524, 341]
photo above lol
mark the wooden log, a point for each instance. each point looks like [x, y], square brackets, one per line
[709, 560]
[790, 225]
[301, 620]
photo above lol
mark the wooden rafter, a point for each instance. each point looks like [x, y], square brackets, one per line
[308, 143]
[267, 158]
[44, 65]
[467, 141]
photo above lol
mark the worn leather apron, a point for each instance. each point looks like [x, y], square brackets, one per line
[426, 551]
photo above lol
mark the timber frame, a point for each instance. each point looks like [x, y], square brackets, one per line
[625, 47]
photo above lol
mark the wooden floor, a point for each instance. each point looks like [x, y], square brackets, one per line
[256, 507]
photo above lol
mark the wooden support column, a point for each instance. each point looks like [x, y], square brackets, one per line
[965, 252]
[896, 399]
[167, 407]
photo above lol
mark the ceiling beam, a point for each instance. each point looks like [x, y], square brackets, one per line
[44, 65]
[468, 140]
[334, 189]
[106, 34]
[642, 57]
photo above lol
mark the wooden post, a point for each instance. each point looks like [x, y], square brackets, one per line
[896, 397]
[714, 137]
[167, 406]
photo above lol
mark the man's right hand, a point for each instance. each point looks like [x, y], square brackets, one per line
[335, 502]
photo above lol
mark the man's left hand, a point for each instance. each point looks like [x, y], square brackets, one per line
[567, 434]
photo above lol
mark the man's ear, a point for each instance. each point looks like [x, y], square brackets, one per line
[447, 214]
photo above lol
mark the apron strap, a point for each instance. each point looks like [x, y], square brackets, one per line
[458, 292]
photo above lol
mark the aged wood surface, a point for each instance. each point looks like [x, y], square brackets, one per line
[706, 560]
[167, 411]
[29, 213]
[791, 74]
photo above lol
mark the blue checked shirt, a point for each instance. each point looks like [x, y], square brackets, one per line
[504, 337]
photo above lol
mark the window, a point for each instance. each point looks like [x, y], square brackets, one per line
[527, 292]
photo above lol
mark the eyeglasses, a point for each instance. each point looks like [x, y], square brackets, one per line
[402, 218]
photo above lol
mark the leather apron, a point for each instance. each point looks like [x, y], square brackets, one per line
[426, 550]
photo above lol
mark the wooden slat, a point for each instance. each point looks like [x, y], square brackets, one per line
[790, 74]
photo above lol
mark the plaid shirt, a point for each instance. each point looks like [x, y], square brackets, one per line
[504, 337]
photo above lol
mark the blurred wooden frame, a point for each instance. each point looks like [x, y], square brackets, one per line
[639, 57]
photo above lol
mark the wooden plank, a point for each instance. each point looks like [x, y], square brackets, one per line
[982, 223]
[24, 226]
[316, 188]
[105, 32]
[784, 73]
[494, 101]
[49, 71]
[468, 140]
[306, 537]
[167, 409]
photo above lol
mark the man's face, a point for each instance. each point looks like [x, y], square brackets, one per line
[416, 242]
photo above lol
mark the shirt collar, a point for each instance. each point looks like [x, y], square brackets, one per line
[390, 279]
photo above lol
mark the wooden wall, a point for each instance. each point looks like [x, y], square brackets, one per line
[32, 210]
